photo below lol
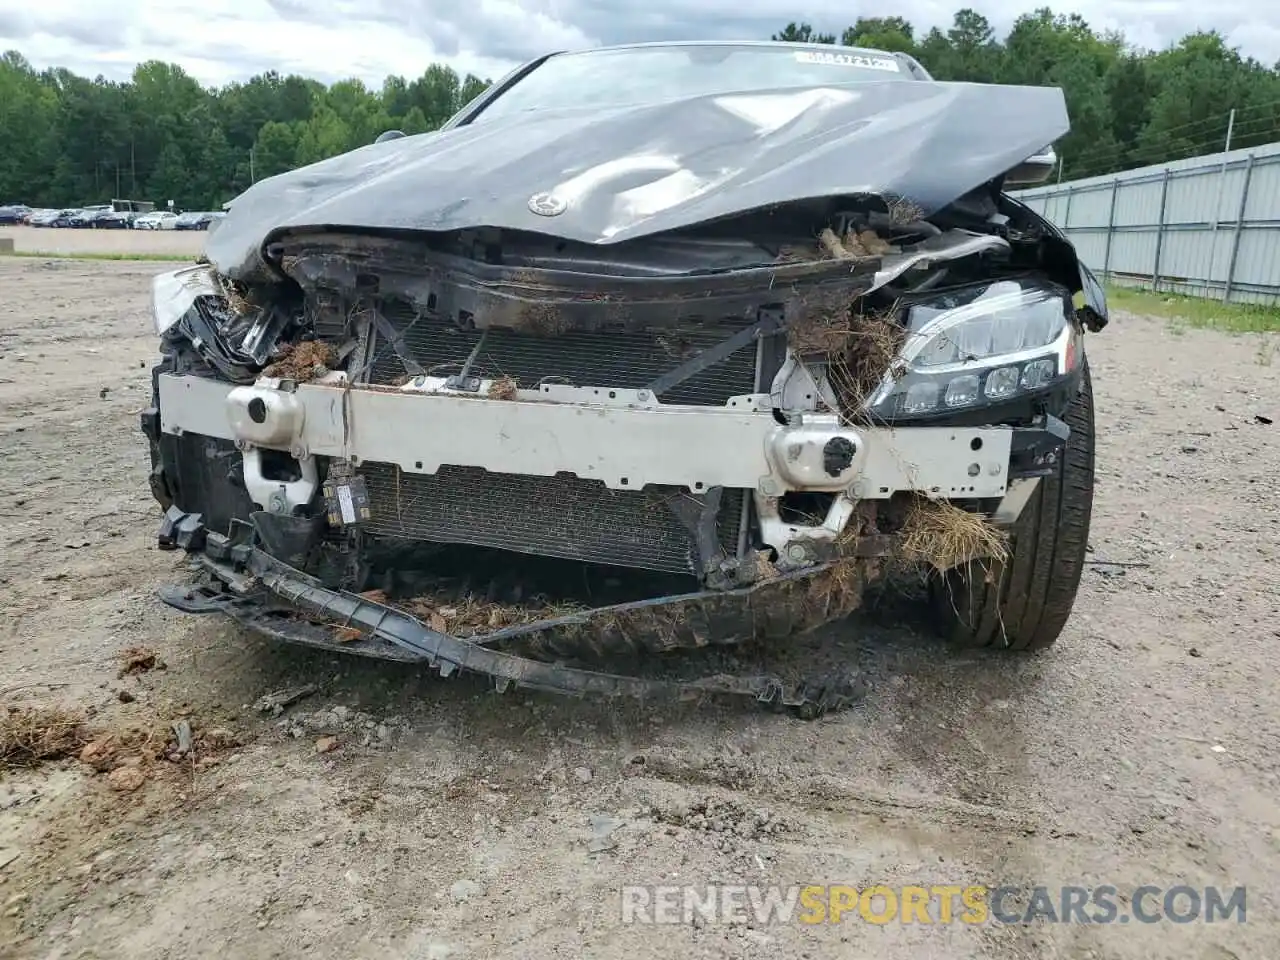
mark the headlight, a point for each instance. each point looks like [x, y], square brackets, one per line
[977, 346]
[174, 293]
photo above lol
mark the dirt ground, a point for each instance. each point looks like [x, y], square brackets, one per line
[441, 820]
[115, 242]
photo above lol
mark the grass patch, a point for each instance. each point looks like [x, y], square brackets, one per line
[1196, 311]
[157, 257]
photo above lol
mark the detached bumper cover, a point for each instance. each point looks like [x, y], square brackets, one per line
[278, 601]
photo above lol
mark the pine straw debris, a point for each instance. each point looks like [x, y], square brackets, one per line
[504, 388]
[34, 736]
[236, 296]
[37, 735]
[303, 361]
[945, 536]
[859, 349]
[838, 590]
[902, 210]
[471, 615]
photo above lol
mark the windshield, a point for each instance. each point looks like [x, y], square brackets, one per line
[640, 75]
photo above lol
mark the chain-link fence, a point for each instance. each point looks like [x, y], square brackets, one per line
[1208, 226]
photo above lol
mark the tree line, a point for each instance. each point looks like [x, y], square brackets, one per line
[67, 139]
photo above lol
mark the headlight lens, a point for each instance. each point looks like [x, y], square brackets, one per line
[979, 345]
[174, 293]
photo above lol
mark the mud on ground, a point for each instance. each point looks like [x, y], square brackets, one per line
[393, 814]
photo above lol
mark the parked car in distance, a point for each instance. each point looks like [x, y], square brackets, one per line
[194, 220]
[116, 220]
[157, 220]
[85, 216]
[62, 218]
[14, 213]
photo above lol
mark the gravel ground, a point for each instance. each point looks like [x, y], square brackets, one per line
[392, 814]
[124, 243]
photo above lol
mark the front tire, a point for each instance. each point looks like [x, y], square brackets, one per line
[1024, 603]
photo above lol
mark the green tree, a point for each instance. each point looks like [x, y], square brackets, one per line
[67, 139]
[436, 93]
[472, 87]
[968, 51]
[276, 149]
[803, 33]
[28, 109]
[880, 33]
[171, 180]
[414, 122]
[325, 135]
[1194, 85]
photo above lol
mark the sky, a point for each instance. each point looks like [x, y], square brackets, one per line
[218, 41]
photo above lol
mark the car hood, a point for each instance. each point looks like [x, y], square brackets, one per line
[607, 175]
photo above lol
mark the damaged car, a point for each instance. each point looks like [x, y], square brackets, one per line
[650, 348]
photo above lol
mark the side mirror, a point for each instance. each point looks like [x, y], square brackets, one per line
[1036, 169]
[389, 135]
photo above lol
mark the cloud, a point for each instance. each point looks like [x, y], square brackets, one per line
[222, 40]
[16, 25]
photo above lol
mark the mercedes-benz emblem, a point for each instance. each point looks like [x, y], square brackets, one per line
[547, 204]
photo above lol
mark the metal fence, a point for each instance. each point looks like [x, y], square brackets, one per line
[1207, 227]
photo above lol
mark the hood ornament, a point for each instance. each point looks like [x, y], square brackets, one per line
[548, 204]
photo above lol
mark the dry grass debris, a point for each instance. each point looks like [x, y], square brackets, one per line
[902, 210]
[838, 590]
[474, 615]
[235, 294]
[36, 735]
[236, 300]
[543, 318]
[871, 348]
[859, 349]
[303, 361]
[33, 736]
[766, 569]
[471, 615]
[504, 388]
[945, 536]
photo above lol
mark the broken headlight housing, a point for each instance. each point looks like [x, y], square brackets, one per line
[979, 346]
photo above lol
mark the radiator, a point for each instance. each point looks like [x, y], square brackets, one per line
[561, 516]
[620, 358]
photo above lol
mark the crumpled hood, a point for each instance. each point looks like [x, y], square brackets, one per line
[624, 172]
